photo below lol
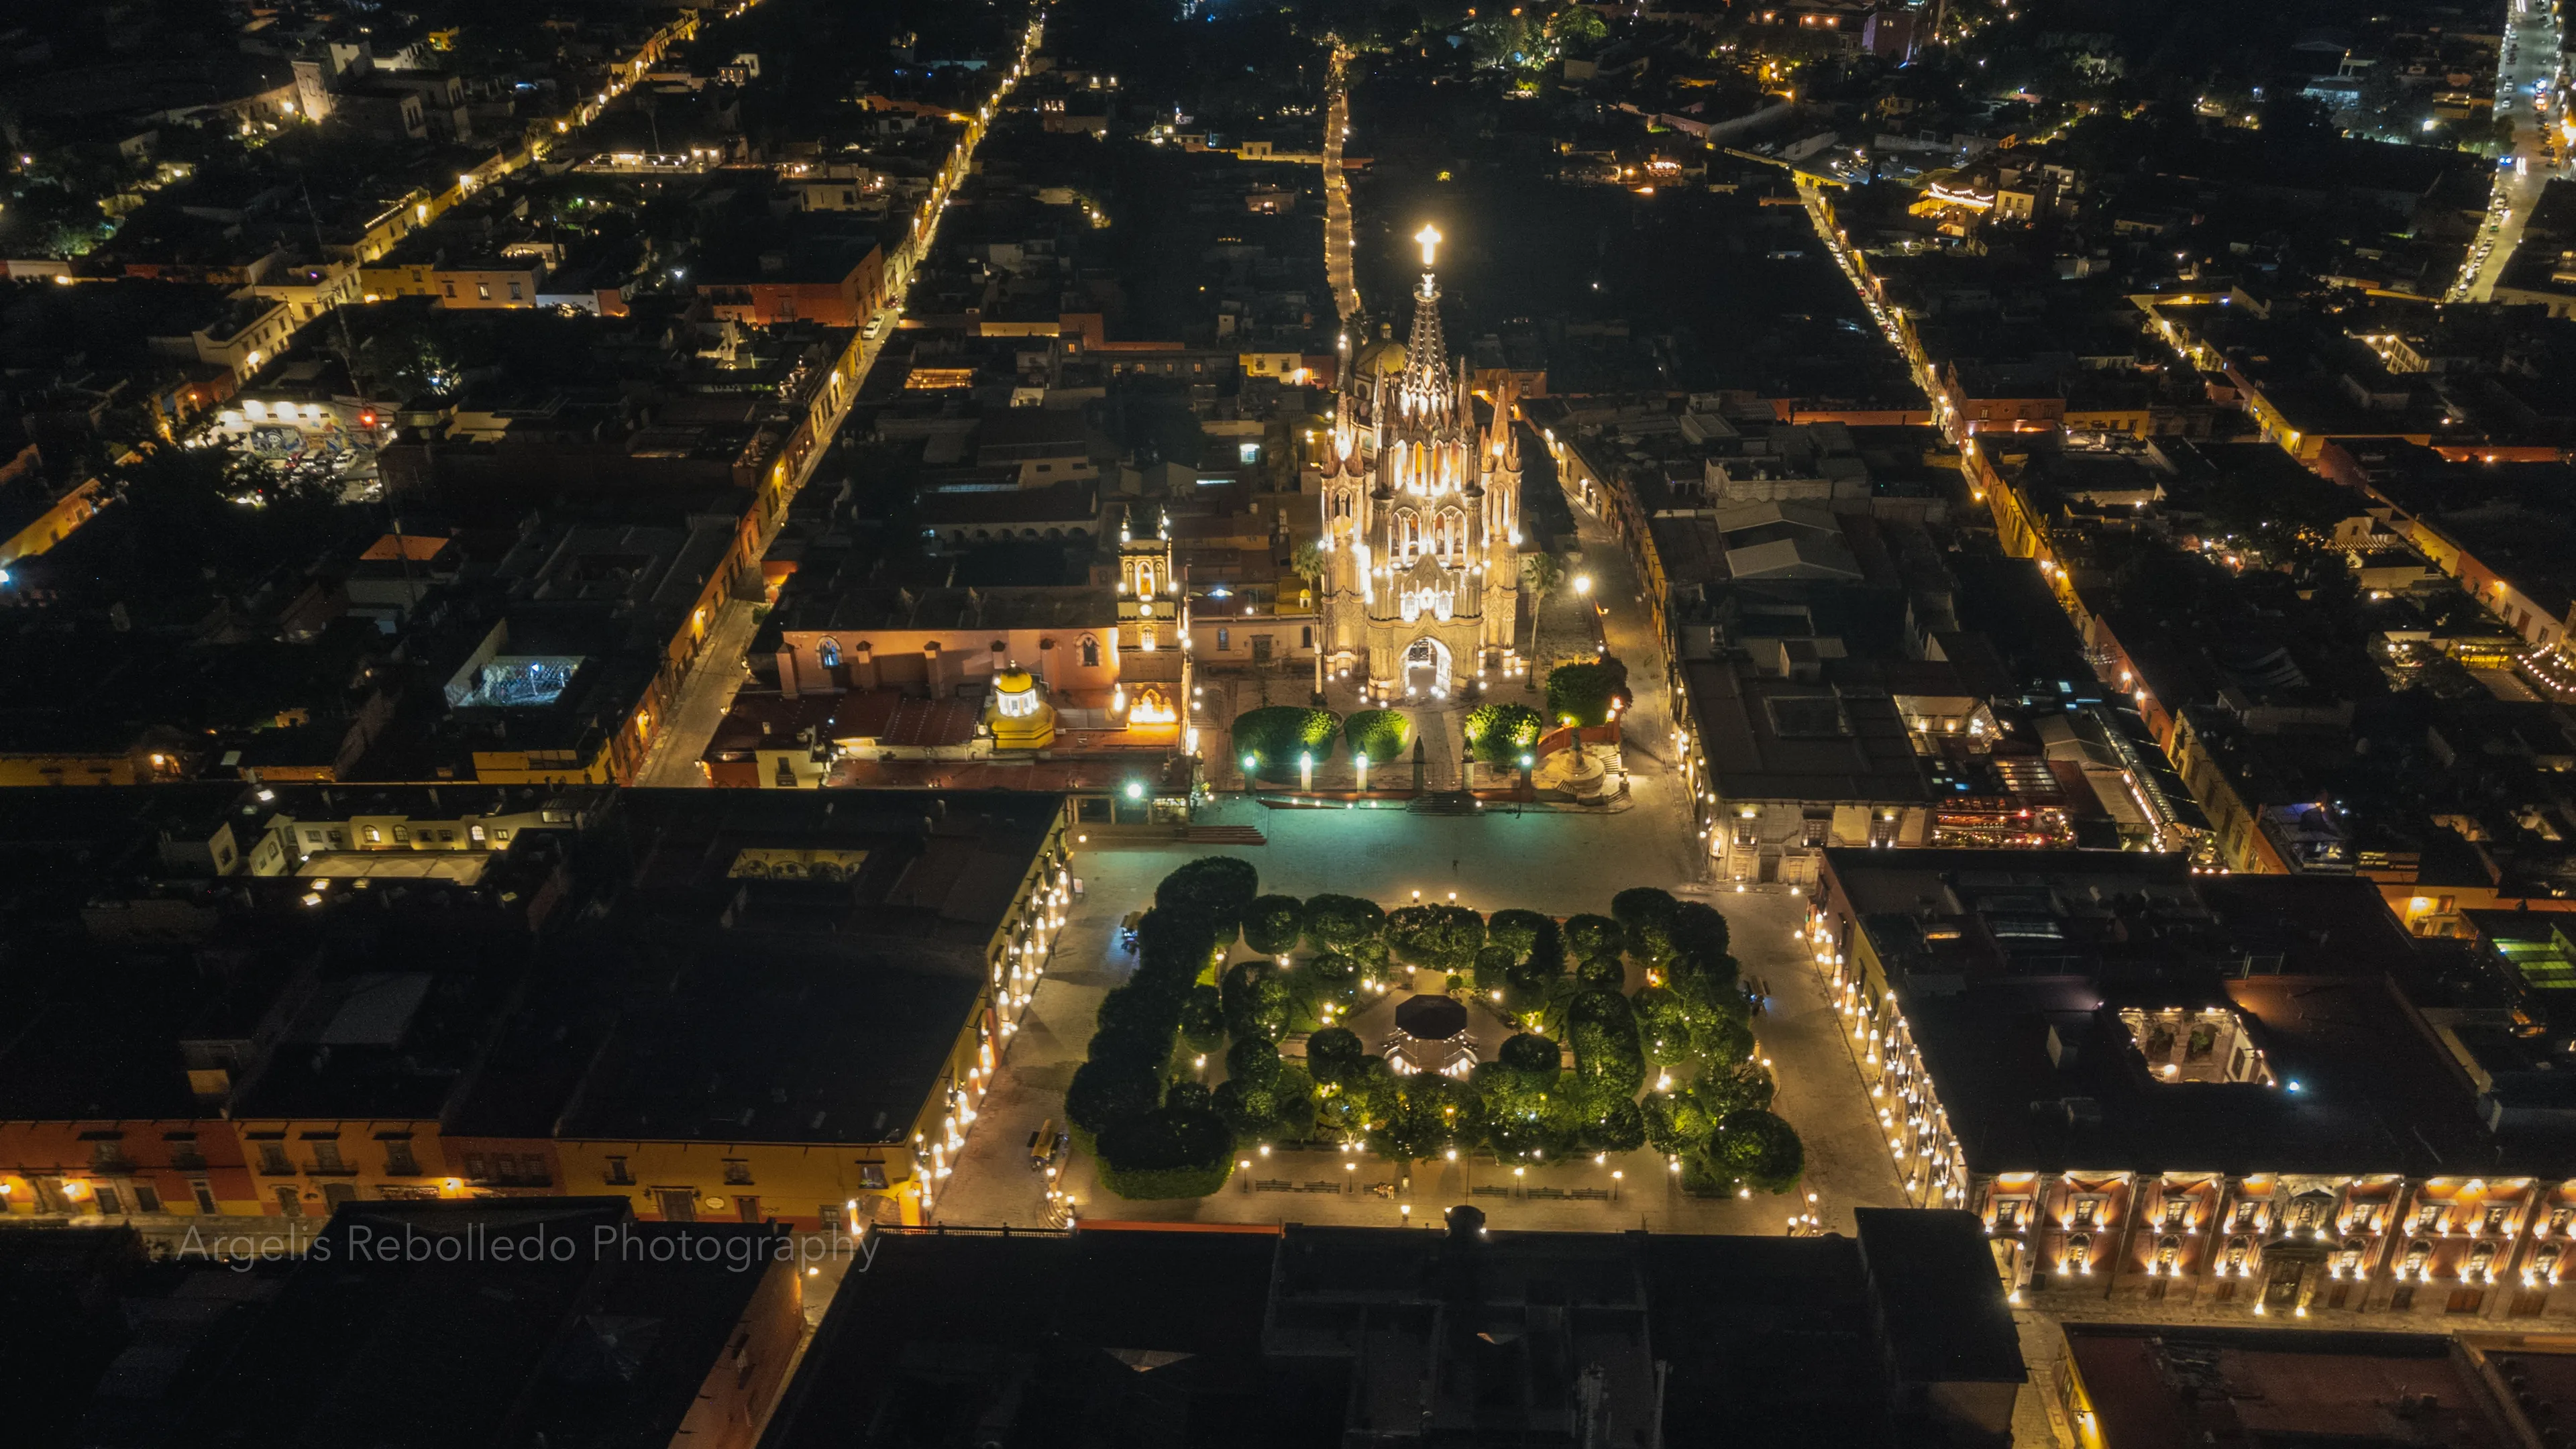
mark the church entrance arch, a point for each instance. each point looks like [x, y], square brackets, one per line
[1426, 669]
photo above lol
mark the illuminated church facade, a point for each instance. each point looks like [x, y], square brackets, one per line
[1421, 533]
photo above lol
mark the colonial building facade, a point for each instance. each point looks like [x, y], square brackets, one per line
[1420, 503]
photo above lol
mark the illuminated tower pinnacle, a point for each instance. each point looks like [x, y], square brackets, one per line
[1426, 353]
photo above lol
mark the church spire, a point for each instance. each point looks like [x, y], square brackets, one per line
[1426, 385]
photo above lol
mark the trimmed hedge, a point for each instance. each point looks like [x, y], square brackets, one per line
[1332, 1051]
[1436, 938]
[1581, 693]
[1342, 923]
[1755, 1149]
[1103, 1094]
[1167, 1152]
[1499, 734]
[1587, 936]
[1518, 932]
[1378, 735]
[1221, 885]
[1275, 736]
[1272, 925]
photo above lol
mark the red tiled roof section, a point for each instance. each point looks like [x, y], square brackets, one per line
[930, 723]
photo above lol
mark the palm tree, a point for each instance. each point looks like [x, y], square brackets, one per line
[1540, 574]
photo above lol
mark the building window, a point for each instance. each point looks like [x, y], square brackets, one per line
[449, 286]
[326, 1157]
[147, 1198]
[204, 1192]
[830, 653]
[1224, 640]
[398, 1160]
[618, 1176]
[1090, 651]
[514, 292]
[872, 1175]
[1306, 637]
[737, 1171]
[272, 1160]
[109, 1201]
[483, 291]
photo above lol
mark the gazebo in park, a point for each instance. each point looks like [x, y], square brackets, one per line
[1431, 1036]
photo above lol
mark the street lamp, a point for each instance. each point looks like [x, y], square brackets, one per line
[1583, 583]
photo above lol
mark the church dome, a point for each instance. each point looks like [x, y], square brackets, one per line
[1385, 355]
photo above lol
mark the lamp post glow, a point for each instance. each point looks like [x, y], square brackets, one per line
[1583, 583]
[1359, 762]
[1306, 770]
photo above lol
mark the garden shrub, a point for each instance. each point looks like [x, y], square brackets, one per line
[1273, 738]
[1664, 1026]
[1379, 735]
[1499, 734]
[1186, 1093]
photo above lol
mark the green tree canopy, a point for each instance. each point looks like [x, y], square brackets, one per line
[1500, 734]
[1220, 884]
[1581, 693]
[1272, 925]
[1436, 937]
[1273, 738]
[1342, 923]
[1381, 735]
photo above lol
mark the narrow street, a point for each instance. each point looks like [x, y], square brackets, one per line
[2530, 56]
[716, 675]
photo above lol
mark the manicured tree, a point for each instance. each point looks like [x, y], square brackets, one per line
[1673, 1124]
[1332, 1052]
[1186, 1094]
[1250, 1108]
[1604, 1037]
[1609, 1122]
[1342, 923]
[1587, 936]
[1256, 1002]
[1663, 1026]
[1295, 1094]
[1437, 937]
[1492, 977]
[1327, 980]
[1103, 1093]
[1203, 1019]
[1167, 1153]
[1721, 1033]
[1499, 734]
[1699, 935]
[1752, 1148]
[1252, 1061]
[1382, 735]
[1175, 945]
[1275, 737]
[1272, 925]
[1360, 1102]
[1580, 694]
[1533, 1060]
[1132, 1044]
[1602, 973]
[1646, 917]
[1147, 1013]
[1222, 884]
[1433, 1114]
[1518, 932]
[1723, 1091]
